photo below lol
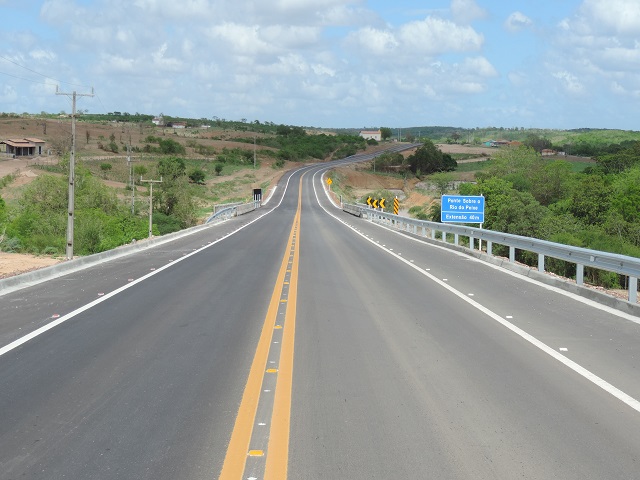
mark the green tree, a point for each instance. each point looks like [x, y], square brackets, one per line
[507, 162]
[139, 171]
[171, 168]
[589, 199]
[218, 168]
[197, 176]
[106, 168]
[386, 133]
[537, 142]
[171, 147]
[442, 181]
[507, 209]
[427, 159]
[549, 181]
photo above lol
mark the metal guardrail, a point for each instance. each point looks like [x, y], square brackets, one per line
[233, 211]
[582, 257]
[224, 206]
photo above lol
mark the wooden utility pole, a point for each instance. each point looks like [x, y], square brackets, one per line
[72, 168]
[150, 182]
[132, 183]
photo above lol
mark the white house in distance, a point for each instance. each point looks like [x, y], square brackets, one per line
[371, 134]
[22, 147]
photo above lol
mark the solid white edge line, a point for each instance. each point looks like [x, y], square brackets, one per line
[580, 370]
[24, 339]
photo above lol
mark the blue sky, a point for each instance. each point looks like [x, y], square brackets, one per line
[330, 63]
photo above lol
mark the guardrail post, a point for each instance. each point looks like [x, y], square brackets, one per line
[489, 248]
[541, 263]
[444, 236]
[633, 289]
[433, 234]
[415, 229]
[456, 239]
[512, 254]
[424, 231]
[579, 274]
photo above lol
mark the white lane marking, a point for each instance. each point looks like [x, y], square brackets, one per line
[509, 316]
[579, 369]
[154, 271]
[586, 301]
[563, 349]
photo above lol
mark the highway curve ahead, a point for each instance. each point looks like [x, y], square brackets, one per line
[311, 344]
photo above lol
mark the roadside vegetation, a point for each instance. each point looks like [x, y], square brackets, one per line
[196, 174]
[590, 204]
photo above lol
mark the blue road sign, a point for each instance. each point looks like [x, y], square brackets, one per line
[462, 209]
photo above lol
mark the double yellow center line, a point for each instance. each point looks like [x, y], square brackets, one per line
[246, 448]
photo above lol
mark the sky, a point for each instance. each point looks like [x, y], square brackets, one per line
[558, 64]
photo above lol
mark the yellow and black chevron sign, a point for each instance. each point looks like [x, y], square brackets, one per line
[396, 206]
[376, 202]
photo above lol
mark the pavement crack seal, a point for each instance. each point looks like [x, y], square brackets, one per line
[267, 393]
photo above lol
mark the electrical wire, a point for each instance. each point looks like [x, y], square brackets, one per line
[38, 73]
[25, 79]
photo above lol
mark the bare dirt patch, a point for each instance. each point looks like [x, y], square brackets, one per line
[16, 263]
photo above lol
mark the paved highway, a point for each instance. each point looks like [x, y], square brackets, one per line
[299, 341]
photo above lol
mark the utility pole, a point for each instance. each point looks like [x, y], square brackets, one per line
[150, 182]
[131, 181]
[72, 169]
[254, 152]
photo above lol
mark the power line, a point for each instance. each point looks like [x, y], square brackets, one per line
[25, 79]
[38, 73]
[104, 109]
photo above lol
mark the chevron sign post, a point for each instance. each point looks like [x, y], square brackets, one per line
[396, 206]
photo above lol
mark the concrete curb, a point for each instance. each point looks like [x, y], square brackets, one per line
[34, 277]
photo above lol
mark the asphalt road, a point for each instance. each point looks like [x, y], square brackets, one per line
[313, 344]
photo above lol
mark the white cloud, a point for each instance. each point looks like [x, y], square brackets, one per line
[434, 36]
[517, 21]
[163, 62]
[617, 17]
[241, 39]
[517, 79]
[320, 69]
[8, 94]
[598, 47]
[374, 41]
[479, 66]
[570, 83]
[43, 55]
[431, 36]
[466, 11]
[110, 64]
[175, 10]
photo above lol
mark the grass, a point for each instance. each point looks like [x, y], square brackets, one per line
[474, 166]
